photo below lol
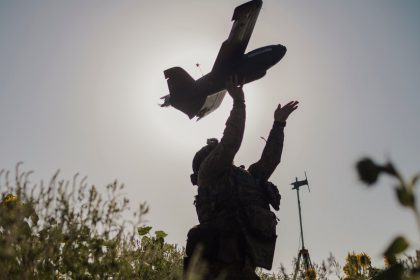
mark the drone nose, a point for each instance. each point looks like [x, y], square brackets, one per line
[281, 50]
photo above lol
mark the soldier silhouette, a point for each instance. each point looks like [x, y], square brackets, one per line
[237, 230]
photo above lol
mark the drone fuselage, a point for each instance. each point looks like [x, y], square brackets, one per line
[252, 66]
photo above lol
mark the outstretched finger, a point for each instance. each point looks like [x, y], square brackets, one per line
[292, 109]
[293, 103]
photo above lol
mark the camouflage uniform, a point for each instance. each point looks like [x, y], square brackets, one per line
[237, 228]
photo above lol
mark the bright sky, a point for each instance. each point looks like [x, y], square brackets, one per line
[80, 82]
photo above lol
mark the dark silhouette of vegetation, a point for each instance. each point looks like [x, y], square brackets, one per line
[369, 172]
[68, 230]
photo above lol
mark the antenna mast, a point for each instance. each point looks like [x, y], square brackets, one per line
[303, 252]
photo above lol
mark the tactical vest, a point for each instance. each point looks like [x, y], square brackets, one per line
[241, 197]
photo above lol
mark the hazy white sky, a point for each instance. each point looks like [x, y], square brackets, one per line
[80, 82]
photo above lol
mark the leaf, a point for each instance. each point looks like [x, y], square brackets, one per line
[394, 272]
[405, 197]
[35, 219]
[144, 230]
[145, 240]
[28, 210]
[160, 234]
[399, 245]
[413, 182]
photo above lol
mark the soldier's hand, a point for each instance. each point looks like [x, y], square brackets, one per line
[234, 87]
[282, 113]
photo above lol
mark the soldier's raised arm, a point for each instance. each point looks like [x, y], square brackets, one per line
[221, 158]
[271, 154]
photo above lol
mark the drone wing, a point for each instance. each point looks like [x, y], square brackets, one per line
[233, 48]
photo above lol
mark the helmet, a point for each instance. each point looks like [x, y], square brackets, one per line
[200, 156]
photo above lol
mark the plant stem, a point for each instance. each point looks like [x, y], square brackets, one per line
[417, 214]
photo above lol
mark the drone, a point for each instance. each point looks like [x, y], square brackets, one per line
[198, 98]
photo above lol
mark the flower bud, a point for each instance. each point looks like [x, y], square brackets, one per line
[368, 171]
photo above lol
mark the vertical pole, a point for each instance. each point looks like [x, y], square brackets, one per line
[300, 218]
[303, 253]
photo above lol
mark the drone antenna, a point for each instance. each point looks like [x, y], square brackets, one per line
[198, 66]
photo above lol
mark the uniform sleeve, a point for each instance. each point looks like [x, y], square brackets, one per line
[271, 154]
[221, 158]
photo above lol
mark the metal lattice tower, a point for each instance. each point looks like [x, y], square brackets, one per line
[303, 252]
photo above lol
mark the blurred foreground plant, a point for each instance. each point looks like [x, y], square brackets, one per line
[369, 171]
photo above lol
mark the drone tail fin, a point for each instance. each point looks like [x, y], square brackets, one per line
[178, 79]
[181, 89]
